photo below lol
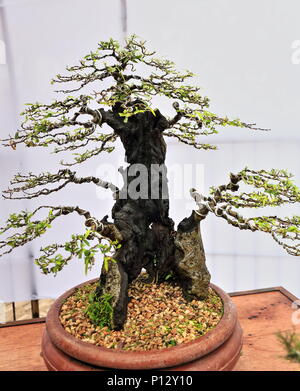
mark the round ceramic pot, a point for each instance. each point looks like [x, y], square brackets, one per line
[217, 350]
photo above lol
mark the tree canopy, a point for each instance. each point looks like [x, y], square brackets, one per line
[124, 81]
[128, 78]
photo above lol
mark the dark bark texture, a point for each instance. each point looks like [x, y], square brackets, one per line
[190, 258]
[141, 214]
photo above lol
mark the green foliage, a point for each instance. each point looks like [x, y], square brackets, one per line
[199, 327]
[276, 186]
[82, 247]
[291, 342]
[277, 189]
[31, 229]
[117, 82]
[126, 90]
[82, 157]
[171, 342]
[170, 276]
[17, 220]
[100, 310]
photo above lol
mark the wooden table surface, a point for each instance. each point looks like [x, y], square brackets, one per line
[262, 313]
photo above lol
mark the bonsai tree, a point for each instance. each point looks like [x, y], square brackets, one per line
[141, 233]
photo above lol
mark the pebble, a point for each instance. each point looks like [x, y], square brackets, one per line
[157, 314]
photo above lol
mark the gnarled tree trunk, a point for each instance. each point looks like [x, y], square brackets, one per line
[141, 214]
[190, 265]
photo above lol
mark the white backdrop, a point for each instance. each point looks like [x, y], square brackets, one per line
[243, 56]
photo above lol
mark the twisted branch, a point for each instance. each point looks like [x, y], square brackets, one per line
[281, 229]
[32, 181]
[34, 229]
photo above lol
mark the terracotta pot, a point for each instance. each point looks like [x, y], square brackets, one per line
[218, 350]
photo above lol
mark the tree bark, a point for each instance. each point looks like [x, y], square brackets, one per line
[141, 214]
[190, 258]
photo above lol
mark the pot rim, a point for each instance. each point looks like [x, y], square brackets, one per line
[158, 358]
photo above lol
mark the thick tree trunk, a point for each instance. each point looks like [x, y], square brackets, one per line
[141, 214]
[190, 258]
[114, 282]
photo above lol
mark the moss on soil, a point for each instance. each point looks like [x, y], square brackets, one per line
[291, 343]
[158, 317]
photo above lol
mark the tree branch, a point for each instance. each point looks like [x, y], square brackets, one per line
[276, 185]
[32, 181]
[284, 231]
[131, 93]
[34, 229]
